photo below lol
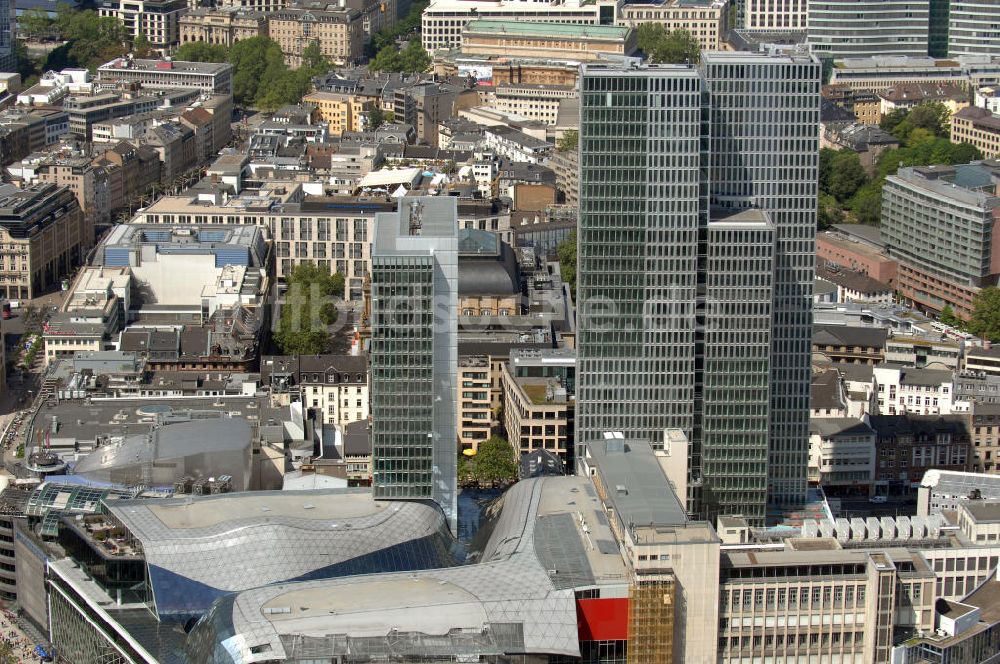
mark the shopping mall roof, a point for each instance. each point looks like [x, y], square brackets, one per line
[199, 548]
[519, 599]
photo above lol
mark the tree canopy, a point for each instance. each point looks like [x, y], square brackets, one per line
[659, 45]
[407, 25]
[566, 251]
[91, 40]
[308, 310]
[569, 141]
[985, 321]
[494, 461]
[410, 60]
[201, 52]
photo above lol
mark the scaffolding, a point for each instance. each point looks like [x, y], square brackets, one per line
[652, 596]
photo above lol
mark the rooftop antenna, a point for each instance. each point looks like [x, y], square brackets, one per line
[416, 217]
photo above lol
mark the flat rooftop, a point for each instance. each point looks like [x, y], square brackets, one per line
[549, 30]
[165, 66]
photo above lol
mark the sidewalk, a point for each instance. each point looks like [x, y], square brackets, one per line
[22, 647]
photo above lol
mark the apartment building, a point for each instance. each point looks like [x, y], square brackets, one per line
[221, 25]
[335, 385]
[985, 438]
[979, 127]
[338, 30]
[705, 20]
[983, 360]
[931, 351]
[539, 395]
[937, 222]
[849, 344]
[43, 236]
[475, 413]
[342, 112]
[156, 20]
[908, 445]
[841, 455]
[916, 391]
[532, 101]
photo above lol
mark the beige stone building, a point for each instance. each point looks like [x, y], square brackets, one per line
[341, 112]
[538, 414]
[42, 238]
[339, 31]
[521, 39]
[977, 126]
[475, 416]
[336, 385]
[705, 20]
[221, 25]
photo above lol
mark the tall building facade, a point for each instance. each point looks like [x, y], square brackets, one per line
[863, 28]
[695, 267]
[973, 27]
[414, 353]
[8, 21]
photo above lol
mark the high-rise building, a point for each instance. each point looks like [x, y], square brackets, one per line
[863, 28]
[8, 59]
[695, 268]
[414, 352]
[787, 16]
[973, 27]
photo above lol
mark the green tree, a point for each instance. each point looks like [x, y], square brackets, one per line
[566, 251]
[407, 25]
[141, 46]
[866, 204]
[314, 61]
[932, 116]
[305, 315]
[494, 461]
[569, 141]
[92, 39]
[201, 52]
[252, 59]
[985, 321]
[891, 120]
[829, 212]
[36, 24]
[846, 175]
[376, 118]
[948, 316]
[410, 60]
[659, 45]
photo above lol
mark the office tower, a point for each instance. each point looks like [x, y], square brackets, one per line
[414, 352]
[694, 285]
[771, 16]
[8, 59]
[973, 28]
[863, 28]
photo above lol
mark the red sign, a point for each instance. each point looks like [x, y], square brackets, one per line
[602, 619]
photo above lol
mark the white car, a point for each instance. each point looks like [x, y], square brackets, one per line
[878, 499]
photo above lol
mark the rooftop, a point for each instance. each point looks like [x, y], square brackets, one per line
[165, 66]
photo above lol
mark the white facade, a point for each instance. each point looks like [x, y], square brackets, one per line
[443, 20]
[904, 390]
[768, 15]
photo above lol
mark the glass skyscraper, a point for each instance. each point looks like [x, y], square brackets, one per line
[695, 267]
[414, 352]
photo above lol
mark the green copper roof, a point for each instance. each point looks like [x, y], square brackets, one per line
[527, 28]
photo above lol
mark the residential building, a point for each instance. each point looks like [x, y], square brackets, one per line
[334, 385]
[906, 96]
[985, 439]
[903, 390]
[558, 41]
[976, 387]
[338, 30]
[210, 77]
[342, 112]
[854, 285]
[649, 289]
[424, 105]
[539, 402]
[414, 353]
[517, 145]
[475, 414]
[937, 222]
[907, 446]
[827, 397]
[979, 127]
[857, 247]
[868, 141]
[987, 97]
[566, 164]
[156, 20]
[842, 456]
[443, 20]
[859, 29]
[221, 25]
[705, 20]
[533, 101]
[43, 237]
[985, 360]
[850, 344]
[931, 351]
